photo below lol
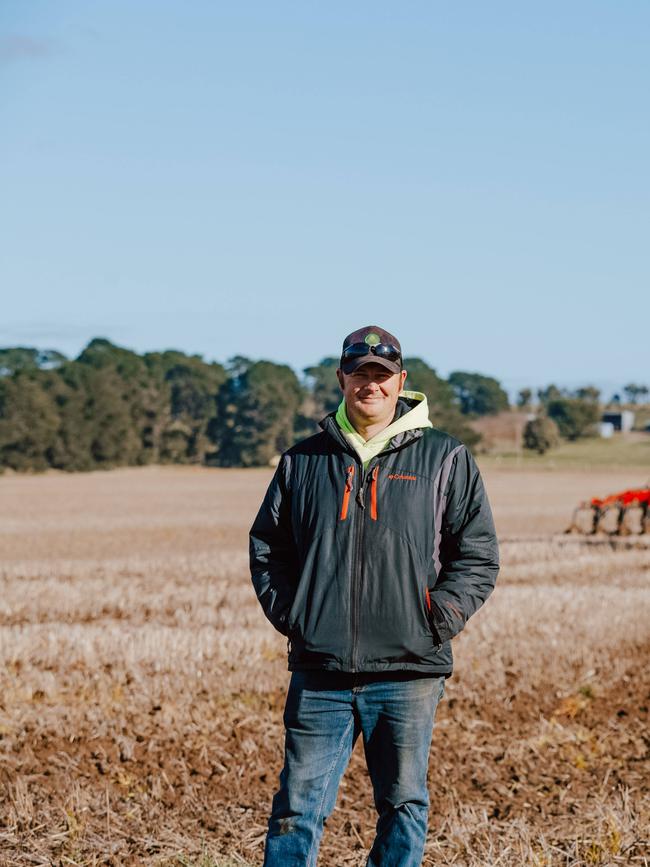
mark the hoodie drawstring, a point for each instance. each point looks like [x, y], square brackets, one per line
[346, 493]
[349, 471]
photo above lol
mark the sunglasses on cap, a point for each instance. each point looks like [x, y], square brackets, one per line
[381, 350]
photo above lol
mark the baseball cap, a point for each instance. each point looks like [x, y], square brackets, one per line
[371, 345]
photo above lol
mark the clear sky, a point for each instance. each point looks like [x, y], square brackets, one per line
[260, 178]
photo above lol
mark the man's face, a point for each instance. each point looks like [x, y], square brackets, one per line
[371, 392]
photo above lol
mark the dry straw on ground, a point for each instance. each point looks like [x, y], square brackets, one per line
[141, 689]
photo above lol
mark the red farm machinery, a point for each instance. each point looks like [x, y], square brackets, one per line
[626, 513]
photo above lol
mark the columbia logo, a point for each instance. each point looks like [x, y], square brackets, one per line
[402, 476]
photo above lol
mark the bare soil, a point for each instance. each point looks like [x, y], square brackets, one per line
[141, 689]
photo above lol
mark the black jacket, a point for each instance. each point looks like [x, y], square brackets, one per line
[374, 571]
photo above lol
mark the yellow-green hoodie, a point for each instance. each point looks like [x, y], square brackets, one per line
[415, 417]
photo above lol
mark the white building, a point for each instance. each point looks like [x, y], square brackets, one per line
[622, 419]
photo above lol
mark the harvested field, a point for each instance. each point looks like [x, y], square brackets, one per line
[141, 688]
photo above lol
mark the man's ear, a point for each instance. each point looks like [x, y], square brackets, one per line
[339, 376]
[403, 374]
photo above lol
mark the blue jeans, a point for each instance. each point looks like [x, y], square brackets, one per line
[324, 714]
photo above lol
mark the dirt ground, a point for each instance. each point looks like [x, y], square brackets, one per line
[141, 688]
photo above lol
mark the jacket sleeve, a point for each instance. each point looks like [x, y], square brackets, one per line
[469, 554]
[273, 556]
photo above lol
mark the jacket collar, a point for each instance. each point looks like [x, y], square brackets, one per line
[404, 405]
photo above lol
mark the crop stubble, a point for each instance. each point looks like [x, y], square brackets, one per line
[142, 688]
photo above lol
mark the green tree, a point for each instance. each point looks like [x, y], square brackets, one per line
[443, 410]
[573, 416]
[551, 392]
[143, 390]
[16, 358]
[422, 377]
[191, 387]
[322, 395]
[71, 451]
[541, 434]
[634, 391]
[524, 398]
[29, 422]
[113, 437]
[95, 396]
[258, 404]
[134, 391]
[324, 386]
[588, 392]
[478, 394]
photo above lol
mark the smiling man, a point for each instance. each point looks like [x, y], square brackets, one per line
[373, 546]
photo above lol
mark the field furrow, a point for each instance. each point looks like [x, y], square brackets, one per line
[141, 688]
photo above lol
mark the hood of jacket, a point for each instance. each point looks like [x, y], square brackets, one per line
[411, 413]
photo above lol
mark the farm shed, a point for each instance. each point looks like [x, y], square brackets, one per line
[623, 420]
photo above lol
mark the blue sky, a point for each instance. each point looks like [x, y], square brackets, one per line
[261, 178]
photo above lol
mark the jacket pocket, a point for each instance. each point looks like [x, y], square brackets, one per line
[429, 614]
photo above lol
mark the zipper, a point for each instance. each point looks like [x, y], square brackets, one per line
[355, 588]
[346, 493]
[357, 531]
[357, 576]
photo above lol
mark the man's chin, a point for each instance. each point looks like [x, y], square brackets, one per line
[370, 412]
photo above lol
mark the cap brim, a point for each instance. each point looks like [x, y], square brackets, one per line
[351, 364]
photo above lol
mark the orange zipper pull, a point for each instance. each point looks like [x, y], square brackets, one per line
[346, 493]
[373, 492]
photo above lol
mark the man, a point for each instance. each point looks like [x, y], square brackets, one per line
[373, 546]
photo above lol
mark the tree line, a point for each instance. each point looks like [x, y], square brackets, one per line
[567, 414]
[112, 407]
